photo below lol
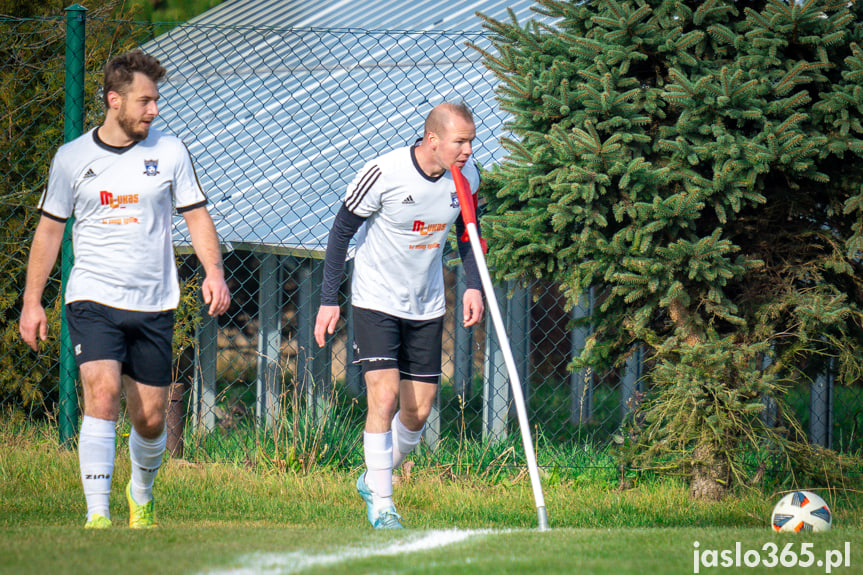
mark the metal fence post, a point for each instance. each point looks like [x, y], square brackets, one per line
[495, 389]
[631, 380]
[204, 386]
[314, 366]
[269, 374]
[431, 431]
[821, 409]
[519, 326]
[76, 16]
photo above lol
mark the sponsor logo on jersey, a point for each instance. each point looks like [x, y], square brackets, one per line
[426, 229]
[90, 174]
[120, 221]
[151, 167]
[408, 200]
[106, 198]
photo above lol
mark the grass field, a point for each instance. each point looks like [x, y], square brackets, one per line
[220, 518]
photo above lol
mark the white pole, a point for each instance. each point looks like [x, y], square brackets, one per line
[503, 339]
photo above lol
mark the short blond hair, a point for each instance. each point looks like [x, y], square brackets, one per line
[436, 121]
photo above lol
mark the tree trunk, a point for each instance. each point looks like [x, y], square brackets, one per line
[710, 476]
[175, 421]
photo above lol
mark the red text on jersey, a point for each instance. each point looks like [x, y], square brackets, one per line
[106, 198]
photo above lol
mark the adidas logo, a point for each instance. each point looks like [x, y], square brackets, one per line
[408, 200]
[90, 173]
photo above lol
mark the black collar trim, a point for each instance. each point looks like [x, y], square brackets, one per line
[109, 147]
[417, 166]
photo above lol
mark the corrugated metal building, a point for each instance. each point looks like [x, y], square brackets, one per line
[280, 102]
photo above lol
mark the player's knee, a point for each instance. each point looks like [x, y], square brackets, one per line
[151, 431]
[414, 417]
[150, 425]
[102, 403]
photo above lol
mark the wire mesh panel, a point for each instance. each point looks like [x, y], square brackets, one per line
[277, 122]
[31, 87]
[32, 79]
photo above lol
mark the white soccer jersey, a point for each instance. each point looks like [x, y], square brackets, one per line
[398, 266]
[122, 201]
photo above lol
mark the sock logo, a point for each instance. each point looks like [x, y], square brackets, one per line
[97, 476]
[149, 470]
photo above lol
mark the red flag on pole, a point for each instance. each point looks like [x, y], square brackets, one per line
[468, 204]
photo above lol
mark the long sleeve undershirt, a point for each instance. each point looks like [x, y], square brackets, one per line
[346, 225]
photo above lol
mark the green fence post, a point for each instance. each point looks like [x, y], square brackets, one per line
[73, 127]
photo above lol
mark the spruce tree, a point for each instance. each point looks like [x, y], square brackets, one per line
[698, 165]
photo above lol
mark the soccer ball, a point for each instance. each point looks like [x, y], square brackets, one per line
[801, 511]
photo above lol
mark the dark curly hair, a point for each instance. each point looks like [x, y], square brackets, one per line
[120, 71]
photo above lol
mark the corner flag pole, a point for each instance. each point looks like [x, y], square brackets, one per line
[468, 214]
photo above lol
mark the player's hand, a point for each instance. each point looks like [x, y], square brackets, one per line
[328, 316]
[216, 295]
[473, 307]
[33, 323]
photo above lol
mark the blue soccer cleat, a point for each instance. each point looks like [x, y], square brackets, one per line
[388, 519]
[366, 494]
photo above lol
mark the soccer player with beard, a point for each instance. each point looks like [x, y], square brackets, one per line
[401, 205]
[121, 181]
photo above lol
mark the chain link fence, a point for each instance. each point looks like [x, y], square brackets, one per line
[277, 122]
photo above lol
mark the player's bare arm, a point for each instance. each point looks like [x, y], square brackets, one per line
[43, 255]
[205, 241]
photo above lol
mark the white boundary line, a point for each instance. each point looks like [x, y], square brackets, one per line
[298, 561]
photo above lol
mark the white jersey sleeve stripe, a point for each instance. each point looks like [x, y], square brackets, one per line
[355, 197]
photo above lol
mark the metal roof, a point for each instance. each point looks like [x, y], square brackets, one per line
[281, 102]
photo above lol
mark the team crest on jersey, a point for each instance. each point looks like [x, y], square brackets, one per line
[454, 200]
[151, 167]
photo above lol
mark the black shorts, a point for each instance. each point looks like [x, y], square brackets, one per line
[383, 341]
[139, 340]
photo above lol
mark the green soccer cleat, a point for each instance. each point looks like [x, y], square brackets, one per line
[98, 522]
[140, 516]
[366, 494]
[388, 519]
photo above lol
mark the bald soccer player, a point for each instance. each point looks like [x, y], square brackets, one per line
[401, 207]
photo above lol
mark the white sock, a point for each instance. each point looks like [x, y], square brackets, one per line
[378, 449]
[404, 440]
[146, 456]
[96, 459]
